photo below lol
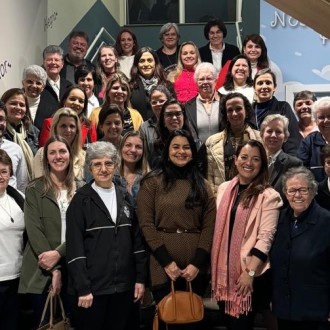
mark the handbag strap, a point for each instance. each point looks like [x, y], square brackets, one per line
[48, 300]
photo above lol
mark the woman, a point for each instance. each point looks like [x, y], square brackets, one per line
[118, 92]
[238, 78]
[126, 46]
[179, 244]
[146, 73]
[46, 201]
[236, 112]
[107, 266]
[323, 193]
[34, 81]
[182, 77]
[66, 124]
[11, 244]
[158, 96]
[85, 76]
[133, 163]
[246, 222]
[300, 257]
[76, 99]
[267, 104]
[107, 65]
[19, 127]
[302, 105]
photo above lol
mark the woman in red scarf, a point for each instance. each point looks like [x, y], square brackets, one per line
[247, 215]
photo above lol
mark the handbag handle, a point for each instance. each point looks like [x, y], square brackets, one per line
[190, 296]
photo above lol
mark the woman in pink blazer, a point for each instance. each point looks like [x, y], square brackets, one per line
[247, 216]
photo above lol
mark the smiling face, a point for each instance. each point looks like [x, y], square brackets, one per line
[240, 71]
[112, 128]
[16, 109]
[4, 177]
[132, 150]
[274, 136]
[53, 64]
[205, 82]
[170, 38]
[248, 164]
[87, 83]
[300, 200]
[236, 113]
[157, 99]
[179, 151]
[147, 65]
[126, 43]
[102, 170]
[66, 128]
[2, 122]
[216, 37]
[173, 117]
[77, 48]
[58, 157]
[323, 120]
[303, 108]
[108, 59]
[118, 94]
[188, 56]
[252, 51]
[264, 87]
[33, 86]
[75, 101]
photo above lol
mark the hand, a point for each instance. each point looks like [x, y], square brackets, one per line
[173, 271]
[85, 301]
[244, 284]
[138, 291]
[56, 282]
[48, 259]
[190, 272]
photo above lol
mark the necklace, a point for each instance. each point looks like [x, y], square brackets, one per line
[8, 205]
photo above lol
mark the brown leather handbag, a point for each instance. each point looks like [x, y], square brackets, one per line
[179, 307]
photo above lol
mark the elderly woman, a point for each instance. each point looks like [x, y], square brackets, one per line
[302, 105]
[274, 132]
[105, 254]
[34, 82]
[11, 244]
[300, 256]
[310, 147]
[236, 111]
[203, 110]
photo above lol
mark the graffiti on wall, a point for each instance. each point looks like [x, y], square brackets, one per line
[49, 21]
[5, 66]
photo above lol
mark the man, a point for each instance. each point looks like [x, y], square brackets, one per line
[19, 179]
[55, 85]
[77, 49]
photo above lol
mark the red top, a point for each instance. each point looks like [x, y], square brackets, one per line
[185, 86]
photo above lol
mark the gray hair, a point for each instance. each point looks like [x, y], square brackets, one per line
[166, 27]
[302, 172]
[52, 49]
[35, 70]
[205, 66]
[274, 117]
[320, 103]
[101, 149]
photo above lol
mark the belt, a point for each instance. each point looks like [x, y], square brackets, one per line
[178, 230]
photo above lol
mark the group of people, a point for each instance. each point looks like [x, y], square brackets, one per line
[155, 166]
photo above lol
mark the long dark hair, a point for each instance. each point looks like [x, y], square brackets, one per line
[198, 194]
[261, 181]
[118, 39]
[263, 61]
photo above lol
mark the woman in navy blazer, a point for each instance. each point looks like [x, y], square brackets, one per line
[300, 256]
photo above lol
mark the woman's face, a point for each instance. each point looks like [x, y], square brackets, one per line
[303, 108]
[75, 101]
[67, 128]
[188, 56]
[147, 65]
[16, 109]
[298, 194]
[4, 177]
[132, 150]
[173, 117]
[323, 120]
[236, 113]
[248, 164]
[252, 51]
[216, 36]
[274, 136]
[102, 170]
[327, 166]
[264, 87]
[118, 93]
[33, 86]
[179, 151]
[87, 84]
[58, 157]
[157, 99]
[108, 59]
[126, 43]
[170, 38]
[240, 70]
[112, 127]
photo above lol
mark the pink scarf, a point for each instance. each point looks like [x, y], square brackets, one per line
[226, 265]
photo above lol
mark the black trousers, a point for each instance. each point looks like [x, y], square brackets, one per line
[298, 325]
[9, 304]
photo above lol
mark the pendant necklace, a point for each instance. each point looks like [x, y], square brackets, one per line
[9, 214]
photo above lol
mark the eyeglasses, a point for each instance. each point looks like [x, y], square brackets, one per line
[173, 114]
[293, 191]
[323, 117]
[160, 102]
[3, 119]
[202, 80]
[4, 174]
[99, 165]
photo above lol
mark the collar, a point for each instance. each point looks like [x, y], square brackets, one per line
[218, 50]
[215, 97]
[54, 83]
[304, 215]
[274, 156]
[328, 182]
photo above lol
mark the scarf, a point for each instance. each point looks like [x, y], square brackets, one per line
[148, 84]
[226, 265]
[20, 139]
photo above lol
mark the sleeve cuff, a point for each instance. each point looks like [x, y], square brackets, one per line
[200, 259]
[257, 253]
[162, 256]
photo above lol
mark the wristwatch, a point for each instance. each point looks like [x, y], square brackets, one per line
[251, 272]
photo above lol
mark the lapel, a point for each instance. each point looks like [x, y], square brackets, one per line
[306, 223]
[278, 167]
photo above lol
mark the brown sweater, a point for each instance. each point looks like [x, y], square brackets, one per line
[158, 209]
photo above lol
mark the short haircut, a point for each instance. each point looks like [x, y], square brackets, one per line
[274, 117]
[205, 66]
[304, 95]
[261, 73]
[166, 27]
[325, 153]
[81, 34]
[320, 103]
[35, 70]
[6, 160]
[215, 22]
[52, 49]
[109, 109]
